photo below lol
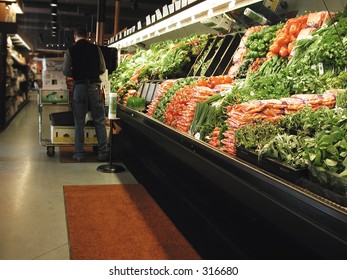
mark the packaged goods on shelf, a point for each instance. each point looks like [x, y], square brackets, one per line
[219, 23]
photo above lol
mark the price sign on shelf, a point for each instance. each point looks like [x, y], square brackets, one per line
[148, 20]
[165, 11]
[153, 18]
[158, 14]
[171, 8]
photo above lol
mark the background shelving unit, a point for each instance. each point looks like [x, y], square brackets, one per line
[13, 73]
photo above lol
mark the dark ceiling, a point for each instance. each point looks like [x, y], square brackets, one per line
[36, 24]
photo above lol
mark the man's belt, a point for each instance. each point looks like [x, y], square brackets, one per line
[87, 81]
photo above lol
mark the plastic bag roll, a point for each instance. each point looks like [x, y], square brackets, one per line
[112, 106]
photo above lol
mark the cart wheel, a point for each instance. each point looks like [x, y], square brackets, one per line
[50, 151]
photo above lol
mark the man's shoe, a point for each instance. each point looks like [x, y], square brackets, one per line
[104, 157]
[78, 158]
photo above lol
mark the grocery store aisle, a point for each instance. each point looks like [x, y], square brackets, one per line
[32, 213]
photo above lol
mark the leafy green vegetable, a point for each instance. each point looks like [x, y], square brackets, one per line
[256, 135]
[136, 103]
[162, 61]
[288, 148]
[341, 99]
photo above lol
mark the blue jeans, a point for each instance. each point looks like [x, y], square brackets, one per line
[87, 97]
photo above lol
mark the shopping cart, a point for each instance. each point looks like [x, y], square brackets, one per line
[53, 106]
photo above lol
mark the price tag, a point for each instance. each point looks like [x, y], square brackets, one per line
[165, 11]
[148, 20]
[158, 14]
[320, 68]
[139, 25]
[177, 5]
[171, 8]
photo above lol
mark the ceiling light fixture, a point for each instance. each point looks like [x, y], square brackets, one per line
[54, 11]
[18, 7]
[54, 3]
[54, 19]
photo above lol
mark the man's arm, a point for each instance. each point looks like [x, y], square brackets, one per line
[67, 66]
[102, 62]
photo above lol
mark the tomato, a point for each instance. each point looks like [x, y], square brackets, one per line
[275, 48]
[282, 40]
[283, 51]
[293, 30]
[202, 82]
[228, 79]
[213, 81]
[292, 38]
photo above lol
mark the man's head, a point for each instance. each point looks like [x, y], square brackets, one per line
[80, 33]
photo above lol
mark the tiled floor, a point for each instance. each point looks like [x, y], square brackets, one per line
[32, 214]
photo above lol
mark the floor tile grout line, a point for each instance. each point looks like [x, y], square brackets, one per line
[50, 251]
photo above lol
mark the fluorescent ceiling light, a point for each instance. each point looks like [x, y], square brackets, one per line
[17, 8]
[54, 11]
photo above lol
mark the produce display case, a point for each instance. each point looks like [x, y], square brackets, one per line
[230, 207]
[147, 90]
[223, 55]
[276, 167]
[206, 64]
[223, 63]
[201, 57]
[239, 210]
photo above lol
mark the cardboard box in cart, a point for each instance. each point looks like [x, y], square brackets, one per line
[53, 80]
[53, 63]
[65, 135]
[54, 96]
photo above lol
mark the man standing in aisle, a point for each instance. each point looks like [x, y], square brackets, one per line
[85, 63]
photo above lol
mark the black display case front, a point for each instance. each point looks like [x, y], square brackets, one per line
[228, 208]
